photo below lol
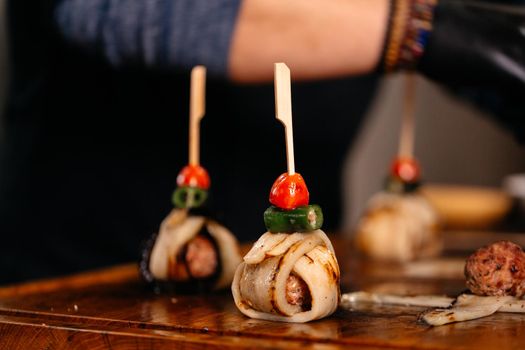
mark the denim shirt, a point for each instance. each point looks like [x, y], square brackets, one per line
[163, 33]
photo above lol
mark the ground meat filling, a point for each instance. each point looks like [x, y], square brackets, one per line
[297, 292]
[201, 257]
[498, 269]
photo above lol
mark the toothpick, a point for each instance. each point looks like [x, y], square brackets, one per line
[197, 110]
[407, 136]
[283, 109]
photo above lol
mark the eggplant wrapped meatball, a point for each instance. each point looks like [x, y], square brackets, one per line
[399, 227]
[190, 253]
[399, 224]
[288, 278]
[496, 270]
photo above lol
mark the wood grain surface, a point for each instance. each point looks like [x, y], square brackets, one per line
[113, 309]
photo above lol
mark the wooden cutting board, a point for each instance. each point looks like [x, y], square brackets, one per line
[112, 309]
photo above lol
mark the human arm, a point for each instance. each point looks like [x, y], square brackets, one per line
[317, 38]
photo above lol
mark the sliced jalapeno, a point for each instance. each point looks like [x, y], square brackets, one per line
[396, 185]
[189, 197]
[301, 219]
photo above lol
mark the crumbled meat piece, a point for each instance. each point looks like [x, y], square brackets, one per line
[297, 292]
[498, 269]
[201, 257]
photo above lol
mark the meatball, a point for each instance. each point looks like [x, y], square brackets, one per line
[201, 257]
[497, 269]
[297, 292]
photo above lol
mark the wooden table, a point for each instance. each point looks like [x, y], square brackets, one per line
[112, 309]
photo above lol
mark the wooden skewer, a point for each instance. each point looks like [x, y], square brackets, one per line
[407, 136]
[197, 110]
[283, 109]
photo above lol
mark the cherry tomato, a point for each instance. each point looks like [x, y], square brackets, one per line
[194, 176]
[289, 192]
[406, 169]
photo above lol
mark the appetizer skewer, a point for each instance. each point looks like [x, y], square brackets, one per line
[291, 273]
[191, 251]
[398, 223]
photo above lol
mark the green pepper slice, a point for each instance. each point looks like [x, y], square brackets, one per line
[302, 219]
[189, 197]
[396, 185]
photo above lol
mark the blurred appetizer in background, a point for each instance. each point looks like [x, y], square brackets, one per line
[291, 273]
[191, 252]
[399, 224]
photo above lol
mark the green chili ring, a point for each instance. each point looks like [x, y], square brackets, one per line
[302, 219]
[189, 197]
[396, 185]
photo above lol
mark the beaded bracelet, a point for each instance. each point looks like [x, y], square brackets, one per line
[409, 29]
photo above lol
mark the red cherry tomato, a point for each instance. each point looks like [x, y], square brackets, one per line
[194, 176]
[289, 192]
[406, 169]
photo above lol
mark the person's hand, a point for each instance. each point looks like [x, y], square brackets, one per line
[479, 44]
[476, 49]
